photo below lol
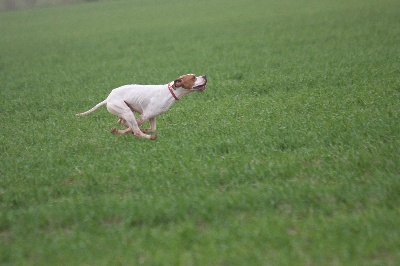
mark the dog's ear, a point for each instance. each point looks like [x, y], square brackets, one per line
[177, 83]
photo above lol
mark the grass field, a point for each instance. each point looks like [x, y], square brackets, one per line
[290, 157]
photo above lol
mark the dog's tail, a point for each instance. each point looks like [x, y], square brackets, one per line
[93, 109]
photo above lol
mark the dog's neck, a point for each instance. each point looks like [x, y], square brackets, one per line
[177, 93]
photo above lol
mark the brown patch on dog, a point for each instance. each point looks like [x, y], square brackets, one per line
[185, 81]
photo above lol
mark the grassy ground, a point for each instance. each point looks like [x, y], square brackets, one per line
[291, 156]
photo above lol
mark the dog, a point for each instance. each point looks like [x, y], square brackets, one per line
[147, 100]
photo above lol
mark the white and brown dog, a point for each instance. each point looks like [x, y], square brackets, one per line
[147, 100]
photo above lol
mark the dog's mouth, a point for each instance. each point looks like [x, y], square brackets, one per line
[201, 87]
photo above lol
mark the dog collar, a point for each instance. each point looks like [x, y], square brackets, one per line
[171, 91]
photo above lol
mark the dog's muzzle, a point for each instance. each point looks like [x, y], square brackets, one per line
[202, 87]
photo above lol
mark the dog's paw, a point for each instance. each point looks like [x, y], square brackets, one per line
[114, 130]
[146, 130]
[153, 137]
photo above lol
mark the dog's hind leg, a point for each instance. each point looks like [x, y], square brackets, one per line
[121, 131]
[139, 121]
[127, 130]
[124, 112]
[123, 122]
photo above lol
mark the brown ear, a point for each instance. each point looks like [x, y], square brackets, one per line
[177, 83]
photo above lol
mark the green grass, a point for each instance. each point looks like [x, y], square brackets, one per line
[291, 156]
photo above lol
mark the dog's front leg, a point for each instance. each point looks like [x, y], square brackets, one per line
[152, 122]
[152, 126]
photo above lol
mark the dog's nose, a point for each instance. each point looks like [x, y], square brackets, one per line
[205, 77]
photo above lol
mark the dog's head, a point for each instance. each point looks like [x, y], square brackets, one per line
[191, 82]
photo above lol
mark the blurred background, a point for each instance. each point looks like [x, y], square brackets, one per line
[18, 4]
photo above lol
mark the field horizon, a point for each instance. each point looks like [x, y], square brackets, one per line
[289, 157]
